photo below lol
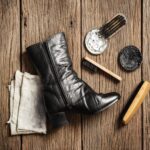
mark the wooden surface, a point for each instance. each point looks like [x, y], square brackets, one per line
[25, 22]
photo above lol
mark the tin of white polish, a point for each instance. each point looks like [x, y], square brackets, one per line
[95, 43]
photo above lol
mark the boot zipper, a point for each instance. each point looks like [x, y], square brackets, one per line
[55, 73]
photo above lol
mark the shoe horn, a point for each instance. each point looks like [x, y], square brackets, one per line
[137, 101]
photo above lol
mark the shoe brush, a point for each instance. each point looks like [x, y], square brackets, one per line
[95, 67]
[137, 101]
[96, 40]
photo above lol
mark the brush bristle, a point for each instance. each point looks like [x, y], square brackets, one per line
[89, 66]
[112, 26]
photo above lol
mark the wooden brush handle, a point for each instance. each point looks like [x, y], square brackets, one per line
[103, 68]
[137, 102]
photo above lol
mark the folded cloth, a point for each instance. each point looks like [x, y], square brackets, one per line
[31, 112]
[27, 113]
[16, 88]
[15, 94]
[11, 88]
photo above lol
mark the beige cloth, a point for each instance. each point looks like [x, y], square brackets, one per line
[27, 113]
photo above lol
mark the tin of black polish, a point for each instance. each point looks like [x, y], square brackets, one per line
[130, 58]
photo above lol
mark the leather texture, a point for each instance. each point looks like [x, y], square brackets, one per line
[63, 90]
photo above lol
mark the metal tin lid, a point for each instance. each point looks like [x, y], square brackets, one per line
[130, 58]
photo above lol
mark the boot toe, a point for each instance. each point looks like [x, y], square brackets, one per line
[109, 99]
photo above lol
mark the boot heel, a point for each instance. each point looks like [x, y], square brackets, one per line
[58, 119]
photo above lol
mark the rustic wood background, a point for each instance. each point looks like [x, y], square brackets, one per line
[24, 22]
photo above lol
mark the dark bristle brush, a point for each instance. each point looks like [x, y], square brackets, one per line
[95, 67]
[111, 27]
[96, 40]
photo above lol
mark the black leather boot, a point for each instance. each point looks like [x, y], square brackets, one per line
[63, 90]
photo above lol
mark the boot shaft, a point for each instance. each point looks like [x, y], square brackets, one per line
[53, 63]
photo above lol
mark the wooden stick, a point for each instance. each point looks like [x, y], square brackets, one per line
[137, 102]
[103, 69]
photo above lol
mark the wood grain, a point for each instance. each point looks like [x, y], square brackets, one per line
[9, 62]
[103, 130]
[42, 18]
[146, 72]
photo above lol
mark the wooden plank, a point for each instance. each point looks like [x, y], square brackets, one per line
[146, 73]
[103, 131]
[9, 62]
[42, 18]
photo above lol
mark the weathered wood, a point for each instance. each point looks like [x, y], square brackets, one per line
[42, 18]
[9, 62]
[146, 73]
[103, 130]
